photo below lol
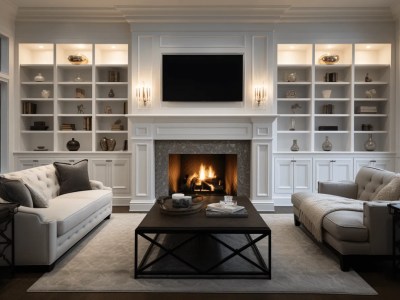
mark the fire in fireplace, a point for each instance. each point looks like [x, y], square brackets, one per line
[211, 174]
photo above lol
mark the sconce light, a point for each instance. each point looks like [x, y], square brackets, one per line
[143, 95]
[260, 95]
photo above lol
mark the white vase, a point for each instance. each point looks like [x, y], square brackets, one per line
[39, 77]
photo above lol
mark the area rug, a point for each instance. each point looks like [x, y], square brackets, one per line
[104, 261]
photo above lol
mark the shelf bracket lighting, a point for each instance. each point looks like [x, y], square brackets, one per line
[143, 95]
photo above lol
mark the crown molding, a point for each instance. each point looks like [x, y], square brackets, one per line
[208, 14]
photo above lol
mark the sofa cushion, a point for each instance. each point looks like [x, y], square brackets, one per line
[391, 191]
[370, 181]
[346, 226]
[69, 210]
[73, 177]
[15, 191]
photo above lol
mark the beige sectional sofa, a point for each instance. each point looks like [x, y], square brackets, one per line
[351, 217]
[44, 234]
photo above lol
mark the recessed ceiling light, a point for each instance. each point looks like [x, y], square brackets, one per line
[40, 46]
[113, 47]
[368, 46]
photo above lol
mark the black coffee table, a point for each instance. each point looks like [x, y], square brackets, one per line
[196, 246]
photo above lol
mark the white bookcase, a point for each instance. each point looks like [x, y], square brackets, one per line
[85, 86]
[303, 109]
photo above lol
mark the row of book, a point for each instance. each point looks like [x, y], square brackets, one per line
[29, 108]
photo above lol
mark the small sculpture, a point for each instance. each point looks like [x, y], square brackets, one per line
[107, 109]
[80, 108]
[291, 77]
[370, 93]
[367, 78]
[295, 107]
[78, 59]
[111, 93]
[328, 59]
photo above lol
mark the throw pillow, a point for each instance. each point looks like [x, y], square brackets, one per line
[39, 200]
[73, 177]
[391, 191]
[15, 191]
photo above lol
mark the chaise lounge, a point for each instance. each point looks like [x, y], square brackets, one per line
[352, 218]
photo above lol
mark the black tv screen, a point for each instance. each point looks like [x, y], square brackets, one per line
[202, 77]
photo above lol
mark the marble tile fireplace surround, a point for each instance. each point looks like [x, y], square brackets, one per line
[248, 138]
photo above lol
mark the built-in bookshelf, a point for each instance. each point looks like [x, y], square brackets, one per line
[60, 100]
[345, 100]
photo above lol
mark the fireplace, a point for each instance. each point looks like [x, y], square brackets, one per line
[208, 174]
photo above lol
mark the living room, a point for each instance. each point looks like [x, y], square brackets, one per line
[129, 136]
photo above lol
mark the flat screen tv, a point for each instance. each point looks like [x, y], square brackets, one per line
[205, 77]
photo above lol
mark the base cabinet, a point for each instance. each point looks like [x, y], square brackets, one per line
[332, 170]
[292, 175]
[381, 163]
[113, 173]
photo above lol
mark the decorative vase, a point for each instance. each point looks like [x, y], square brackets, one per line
[327, 145]
[328, 59]
[78, 78]
[103, 144]
[295, 147]
[370, 144]
[111, 93]
[111, 144]
[73, 145]
[39, 77]
[291, 77]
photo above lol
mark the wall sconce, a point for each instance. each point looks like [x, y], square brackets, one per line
[260, 95]
[143, 95]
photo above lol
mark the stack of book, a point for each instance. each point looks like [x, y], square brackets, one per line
[29, 108]
[364, 109]
[225, 210]
[66, 126]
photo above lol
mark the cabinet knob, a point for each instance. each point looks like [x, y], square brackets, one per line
[71, 160]
[293, 160]
[35, 160]
[333, 161]
[372, 161]
[108, 160]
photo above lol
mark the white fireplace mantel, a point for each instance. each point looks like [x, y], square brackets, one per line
[151, 127]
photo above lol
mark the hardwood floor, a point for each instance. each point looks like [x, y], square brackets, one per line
[377, 273]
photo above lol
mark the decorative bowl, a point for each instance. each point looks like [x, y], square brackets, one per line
[329, 59]
[78, 59]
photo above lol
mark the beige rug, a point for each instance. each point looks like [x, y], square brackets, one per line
[104, 261]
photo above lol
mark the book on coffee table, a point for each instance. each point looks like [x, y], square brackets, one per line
[226, 211]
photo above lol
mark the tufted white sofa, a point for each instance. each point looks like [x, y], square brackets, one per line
[42, 235]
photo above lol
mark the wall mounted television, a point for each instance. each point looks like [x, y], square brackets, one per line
[202, 77]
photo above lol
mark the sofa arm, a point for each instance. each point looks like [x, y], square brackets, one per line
[35, 237]
[379, 223]
[98, 185]
[347, 189]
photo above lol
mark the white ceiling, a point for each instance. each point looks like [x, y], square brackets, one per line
[206, 10]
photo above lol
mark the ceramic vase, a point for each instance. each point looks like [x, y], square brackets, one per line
[103, 144]
[39, 77]
[73, 145]
[111, 144]
[291, 77]
[295, 146]
[370, 144]
[327, 145]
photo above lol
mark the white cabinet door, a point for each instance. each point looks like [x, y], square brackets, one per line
[292, 175]
[113, 173]
[332, 170]
[302, 175]
[100, 171]
[381, 163]
[120, 179]
[283, 176]
[27, 163]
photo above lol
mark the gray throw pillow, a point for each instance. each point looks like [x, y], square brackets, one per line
[15, 191]
[389, 192]
[73, 177]
[39, 200]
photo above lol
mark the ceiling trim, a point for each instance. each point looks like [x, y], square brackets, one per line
[207, 14]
